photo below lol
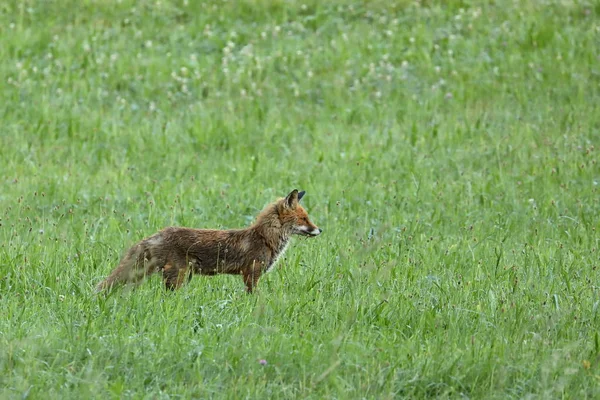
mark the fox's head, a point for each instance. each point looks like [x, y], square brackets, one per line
[293, 217]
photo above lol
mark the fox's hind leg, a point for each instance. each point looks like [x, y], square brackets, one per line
[175, 274]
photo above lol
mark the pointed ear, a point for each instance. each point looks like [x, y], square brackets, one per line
[301, 195]
[291, 200]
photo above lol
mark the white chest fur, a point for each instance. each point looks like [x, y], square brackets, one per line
[277, 257]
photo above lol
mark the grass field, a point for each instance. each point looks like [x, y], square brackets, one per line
[448, 149]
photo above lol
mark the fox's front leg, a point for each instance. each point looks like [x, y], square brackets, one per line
[251, 276]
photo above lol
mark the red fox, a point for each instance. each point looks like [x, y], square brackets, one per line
[178, 253]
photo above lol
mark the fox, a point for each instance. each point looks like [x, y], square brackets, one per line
[178, 253]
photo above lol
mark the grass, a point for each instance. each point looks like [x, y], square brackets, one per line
[448, 149]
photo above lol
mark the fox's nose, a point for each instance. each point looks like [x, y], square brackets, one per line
[315, 232]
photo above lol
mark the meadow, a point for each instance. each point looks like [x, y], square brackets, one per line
[447, 148]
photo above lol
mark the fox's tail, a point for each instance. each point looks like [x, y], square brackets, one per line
[131, 269]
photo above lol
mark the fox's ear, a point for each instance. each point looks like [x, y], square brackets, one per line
[301, 195]
[291, 199]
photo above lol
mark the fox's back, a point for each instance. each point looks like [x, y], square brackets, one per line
[192, 238]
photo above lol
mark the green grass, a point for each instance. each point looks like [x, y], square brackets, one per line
[448, 149]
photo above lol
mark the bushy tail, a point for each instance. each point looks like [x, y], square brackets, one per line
[130, 269]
